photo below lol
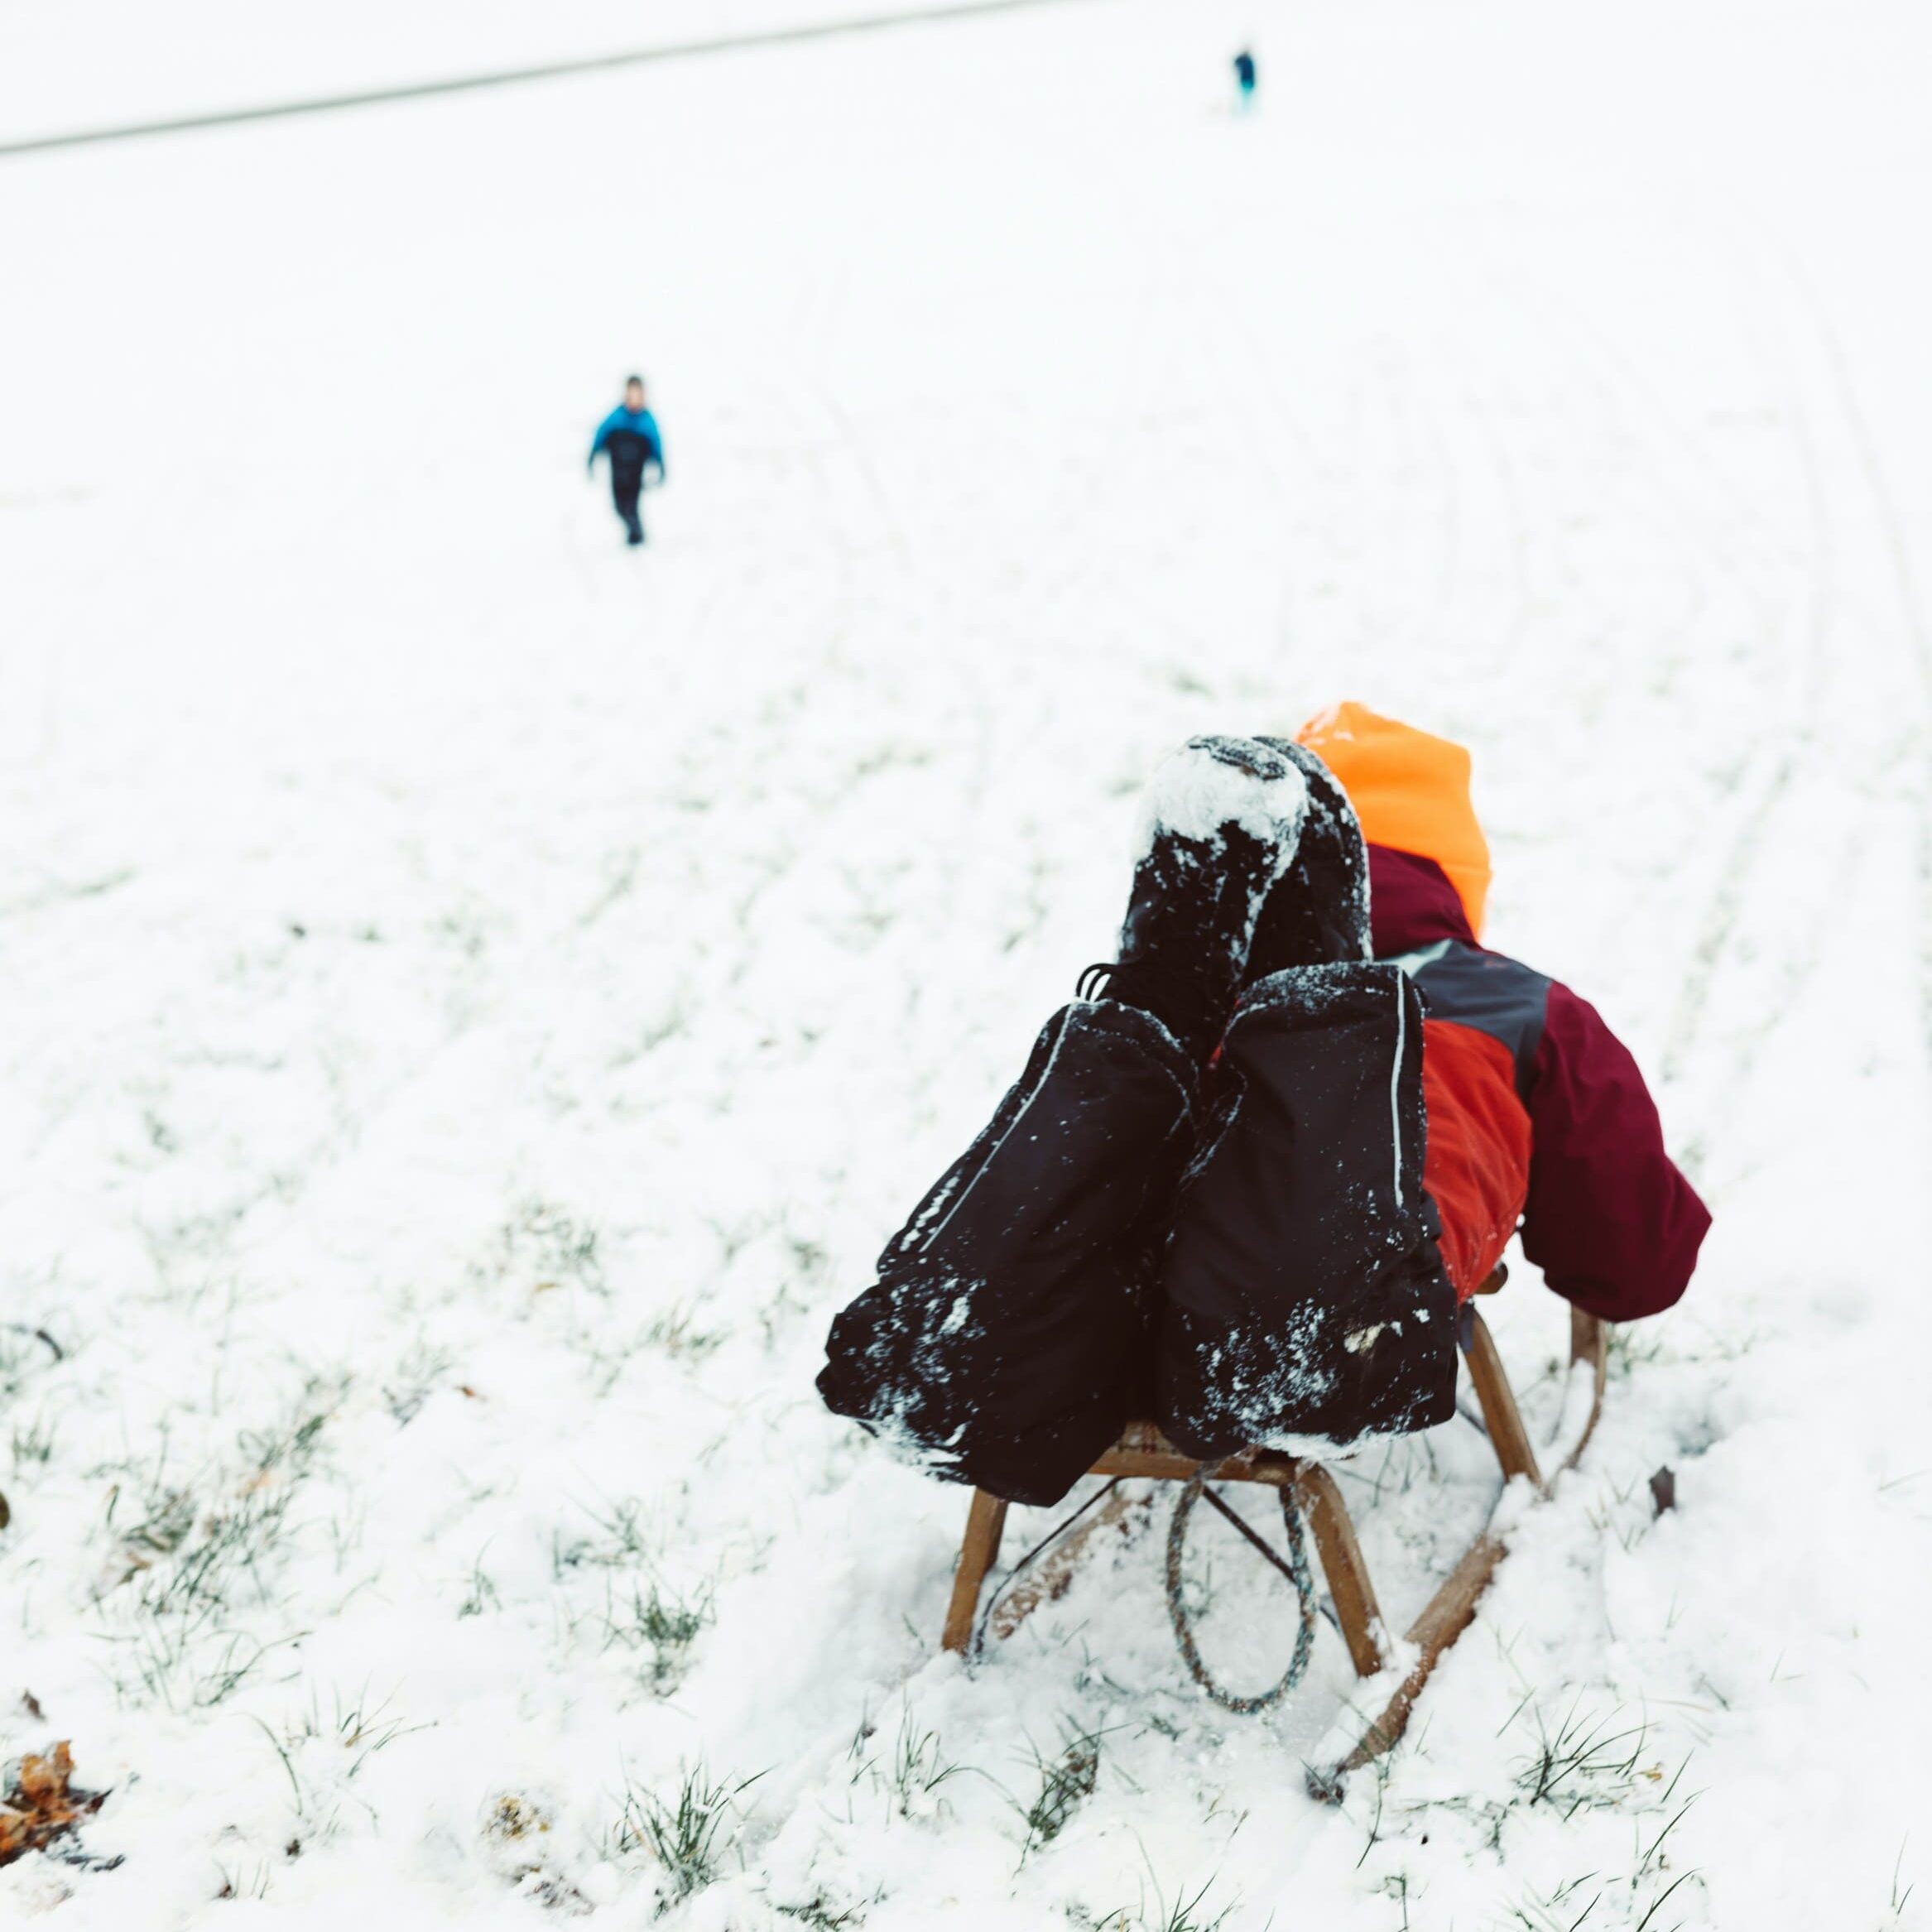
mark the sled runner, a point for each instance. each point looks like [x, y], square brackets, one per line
[1308, 1489]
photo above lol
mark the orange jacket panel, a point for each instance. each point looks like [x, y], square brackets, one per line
[1477, 1163]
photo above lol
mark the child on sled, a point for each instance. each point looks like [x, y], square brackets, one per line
[1248, 1177]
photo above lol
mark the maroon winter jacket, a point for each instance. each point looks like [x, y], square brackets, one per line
[1606, 1215]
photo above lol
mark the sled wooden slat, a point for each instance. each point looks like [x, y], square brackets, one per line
[1143, 1451]
[1445, 1617]
[1450, 1611]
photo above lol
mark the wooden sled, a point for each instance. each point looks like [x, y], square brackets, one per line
[1144, 1451]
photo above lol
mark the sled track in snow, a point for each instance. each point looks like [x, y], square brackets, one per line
[1842, 412]
[1812, 668]
[780, 36]
[1918, 628]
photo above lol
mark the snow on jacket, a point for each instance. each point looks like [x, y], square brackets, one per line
[1537, 1111]
[629, 430]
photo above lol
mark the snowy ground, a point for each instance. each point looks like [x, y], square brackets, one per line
[475, 1000]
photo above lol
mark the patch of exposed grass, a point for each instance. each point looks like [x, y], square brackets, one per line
[664, 1624]
[1582, 1763]
[414, 1381]
[918, 1766]
[33, 1443]
[819, 1914]
[1188, 1913]
[196, 1552]
[548, 1246]
[624, 1537]
[677, 1334]
[682, 1833]
[481, 1595]
[1066, 1779]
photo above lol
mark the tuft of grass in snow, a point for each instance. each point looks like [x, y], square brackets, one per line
[233, 1544]
[1183, 1917]
[1404, 1462]
[321, 1757]
[666, 1625]
[680, 1832]
[292, 1448]
[1065, 1778]
[192, 1570]
[413, 1381]
[623, 1538]
[918, 1768]
[465, 927]
[548, 1246]
[361, 1729]
[241, 1883]
[1583, 1764]
[1185, 1914]
[1397, 1888]
[1556, 1911]
[1628, 1346]
[34, 1444]
[676, 1332]
[1897, 1904]
[162, 1519]
[13, 1363]
[1589, 1763]
[819, 1914]
[23, 1350]
[1624, 1517]
[481, 1593]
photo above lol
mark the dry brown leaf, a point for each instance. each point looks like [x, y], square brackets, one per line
[39, 1805]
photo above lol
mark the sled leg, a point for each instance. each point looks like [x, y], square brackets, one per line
[1590, 1342]
[1507, 1436]
[1444, 1618]
[1356, 1608]
[986, 1522]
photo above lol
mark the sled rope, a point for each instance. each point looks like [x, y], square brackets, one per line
[1295, 1568]
[1045, 1542]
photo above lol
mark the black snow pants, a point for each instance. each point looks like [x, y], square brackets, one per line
[626, 481]
[1251, 1263]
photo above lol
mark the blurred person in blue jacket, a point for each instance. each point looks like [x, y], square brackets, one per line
[629, 435]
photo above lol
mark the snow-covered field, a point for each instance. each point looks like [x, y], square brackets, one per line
[473, 1001]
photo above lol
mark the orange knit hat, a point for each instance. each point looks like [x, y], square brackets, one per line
[1409, 791]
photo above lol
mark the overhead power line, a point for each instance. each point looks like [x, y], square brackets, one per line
[372, 97]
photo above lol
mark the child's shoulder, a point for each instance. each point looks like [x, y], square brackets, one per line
[1470, 986]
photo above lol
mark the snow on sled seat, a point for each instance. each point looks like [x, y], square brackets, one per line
[1142, 1451]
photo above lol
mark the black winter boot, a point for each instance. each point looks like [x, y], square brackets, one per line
[1318, 913]
[1009, 1334]
[1223, 819]
[1304, 1292]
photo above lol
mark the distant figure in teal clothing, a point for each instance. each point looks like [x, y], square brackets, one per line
[1244, 79]
[629, 436]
